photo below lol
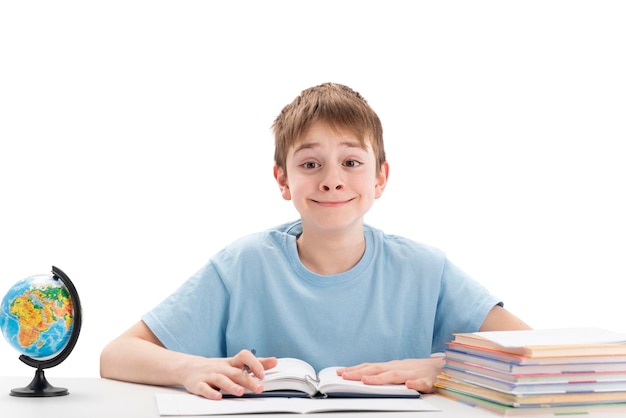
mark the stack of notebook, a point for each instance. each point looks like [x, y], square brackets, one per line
[536, 369]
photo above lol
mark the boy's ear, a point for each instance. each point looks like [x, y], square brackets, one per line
[381, 180]
[281, 178]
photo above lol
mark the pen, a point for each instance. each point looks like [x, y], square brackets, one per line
[246, 368]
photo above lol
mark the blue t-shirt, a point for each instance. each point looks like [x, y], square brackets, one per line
[402, 300]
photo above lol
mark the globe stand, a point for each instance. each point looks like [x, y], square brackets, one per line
[39, 386]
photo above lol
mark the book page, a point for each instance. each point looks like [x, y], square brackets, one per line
[290, 374]
[290, 368]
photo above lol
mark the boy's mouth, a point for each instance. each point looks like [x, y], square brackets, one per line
[332, 203]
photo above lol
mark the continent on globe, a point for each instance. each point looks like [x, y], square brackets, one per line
[37, 316]
[41, 318]
[38, 310]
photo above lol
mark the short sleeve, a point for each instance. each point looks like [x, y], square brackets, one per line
[193, 318]
[463, 305]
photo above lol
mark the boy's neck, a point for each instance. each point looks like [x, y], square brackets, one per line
[334, 254]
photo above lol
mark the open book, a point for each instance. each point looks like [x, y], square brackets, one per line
[294, 377]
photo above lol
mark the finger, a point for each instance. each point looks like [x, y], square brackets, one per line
[245, 360]
[255, 367]
[352, 369]
[251, 383]
[357, 373]
[229, 385]
[389, 377]
[245, 380]
[266, 363]
[205, 390]
[377, 379]
[424, 385]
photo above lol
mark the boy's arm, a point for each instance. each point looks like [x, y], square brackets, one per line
[138, 356]
[499, 319]
[421, 374]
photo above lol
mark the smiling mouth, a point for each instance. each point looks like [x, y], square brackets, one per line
[332, 203]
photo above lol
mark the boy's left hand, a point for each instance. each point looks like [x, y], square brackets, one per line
[418, 374]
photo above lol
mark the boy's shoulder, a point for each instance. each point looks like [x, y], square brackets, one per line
[402, 245]
[285, 230]
[277, 234]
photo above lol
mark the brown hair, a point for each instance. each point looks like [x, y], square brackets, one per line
[336, 104]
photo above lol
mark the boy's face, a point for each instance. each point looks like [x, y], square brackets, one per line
[331, 178]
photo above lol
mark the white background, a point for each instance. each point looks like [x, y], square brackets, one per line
[135, 143]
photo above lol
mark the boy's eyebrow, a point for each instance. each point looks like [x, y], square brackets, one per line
[311, 145]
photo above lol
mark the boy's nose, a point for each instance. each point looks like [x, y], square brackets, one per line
[332, 180]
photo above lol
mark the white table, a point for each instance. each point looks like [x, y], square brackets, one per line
[94, 398]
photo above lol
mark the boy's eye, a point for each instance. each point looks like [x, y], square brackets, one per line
[310, 164]
[352, 163]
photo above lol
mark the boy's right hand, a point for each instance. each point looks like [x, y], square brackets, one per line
[209, 377]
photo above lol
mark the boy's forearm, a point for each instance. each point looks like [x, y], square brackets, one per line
[140, 361]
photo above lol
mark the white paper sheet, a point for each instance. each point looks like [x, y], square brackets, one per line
[561, 336]
[189, 405]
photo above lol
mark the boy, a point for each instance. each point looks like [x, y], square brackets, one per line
[327, 288]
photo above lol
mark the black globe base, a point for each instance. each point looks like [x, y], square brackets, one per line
[39, 388]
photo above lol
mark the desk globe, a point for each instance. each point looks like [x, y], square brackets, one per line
[40, 317]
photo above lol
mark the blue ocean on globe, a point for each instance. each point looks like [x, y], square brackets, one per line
[37, 317]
